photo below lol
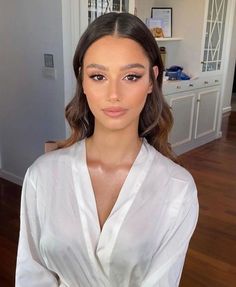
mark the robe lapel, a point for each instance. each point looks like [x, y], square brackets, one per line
[86, 203]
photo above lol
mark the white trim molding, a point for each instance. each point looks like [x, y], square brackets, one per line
[70, 33]
[230, 14]
[226, 110]
[11, 177]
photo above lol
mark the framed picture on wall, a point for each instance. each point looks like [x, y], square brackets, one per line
[164, 16]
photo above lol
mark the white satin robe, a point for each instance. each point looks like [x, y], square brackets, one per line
[142, 243]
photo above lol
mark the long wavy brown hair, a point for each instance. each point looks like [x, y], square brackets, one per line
[155, 120]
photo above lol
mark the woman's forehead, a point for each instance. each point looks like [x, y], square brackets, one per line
[116, 48]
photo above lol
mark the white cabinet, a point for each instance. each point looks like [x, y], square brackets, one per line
[195, 114]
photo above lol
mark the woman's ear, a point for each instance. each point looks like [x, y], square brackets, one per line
[156, 72]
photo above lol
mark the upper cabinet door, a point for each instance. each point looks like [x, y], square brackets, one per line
[89, 10]
[214, 35]
[99, 7]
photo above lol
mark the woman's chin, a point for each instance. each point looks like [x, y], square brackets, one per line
[116, 125]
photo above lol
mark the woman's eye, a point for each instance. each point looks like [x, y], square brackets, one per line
[97, 77]
[132, 77]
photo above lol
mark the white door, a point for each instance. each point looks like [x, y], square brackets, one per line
[182, 107]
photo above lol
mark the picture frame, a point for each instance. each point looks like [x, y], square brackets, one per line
[164, 16]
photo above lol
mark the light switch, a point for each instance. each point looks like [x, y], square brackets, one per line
[48, 61]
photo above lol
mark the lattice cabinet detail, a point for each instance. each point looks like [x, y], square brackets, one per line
[214, 35]
[99, 7]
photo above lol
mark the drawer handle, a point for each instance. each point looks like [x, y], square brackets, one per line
[178, 87]
[206, 82]
[191, 85]
[216, 81]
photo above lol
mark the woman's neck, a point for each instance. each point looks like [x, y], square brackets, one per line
[114, 147]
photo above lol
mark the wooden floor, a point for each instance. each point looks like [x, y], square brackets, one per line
[9, 228]
[211, 259]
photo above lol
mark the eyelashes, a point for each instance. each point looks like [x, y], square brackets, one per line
[129, 77]
[133, 77]
[97, 77]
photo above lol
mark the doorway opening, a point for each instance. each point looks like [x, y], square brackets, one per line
[233, 99]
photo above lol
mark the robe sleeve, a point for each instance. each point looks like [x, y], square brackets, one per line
[167, 263]
[30, 268]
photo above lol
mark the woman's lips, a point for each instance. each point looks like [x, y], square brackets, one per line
[114, 112]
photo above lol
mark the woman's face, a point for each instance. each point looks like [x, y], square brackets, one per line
[116, 82]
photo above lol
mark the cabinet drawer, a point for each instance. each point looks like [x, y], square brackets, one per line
[171, 87]
[210, 81]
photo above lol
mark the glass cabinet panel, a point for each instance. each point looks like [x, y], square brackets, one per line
[212, 56]
[99, 7]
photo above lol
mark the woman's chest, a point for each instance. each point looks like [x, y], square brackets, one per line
[107, 185]
[127, 242]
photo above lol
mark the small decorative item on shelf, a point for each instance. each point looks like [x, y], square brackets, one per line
[157, 32]
[155, 27]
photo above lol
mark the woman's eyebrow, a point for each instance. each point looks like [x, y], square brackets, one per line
[126, 67]
[134, 65]
[97, 66]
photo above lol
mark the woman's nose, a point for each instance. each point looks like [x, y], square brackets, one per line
[113, 93]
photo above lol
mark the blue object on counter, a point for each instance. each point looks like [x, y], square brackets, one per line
[176, 73]
[184, 76]
[174, 68]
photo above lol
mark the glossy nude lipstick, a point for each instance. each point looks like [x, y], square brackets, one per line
[114, 112]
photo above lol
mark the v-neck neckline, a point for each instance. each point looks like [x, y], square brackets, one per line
[100, 243]
[121, 191]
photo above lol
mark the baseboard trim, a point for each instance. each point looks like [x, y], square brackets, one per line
[11, 177]
[226, 110]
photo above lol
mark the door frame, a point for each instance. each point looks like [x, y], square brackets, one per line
[72, 17]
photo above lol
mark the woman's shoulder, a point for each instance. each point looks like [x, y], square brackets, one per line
[55, 160]
[170, 171]
[175, 170]
[58, 155]
[174, 182]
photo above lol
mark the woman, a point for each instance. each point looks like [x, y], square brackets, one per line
[110, 208]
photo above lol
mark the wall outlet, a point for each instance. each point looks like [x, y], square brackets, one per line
[49, 73]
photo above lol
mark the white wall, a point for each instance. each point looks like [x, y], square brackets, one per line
[31, 106]
[144, 8]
